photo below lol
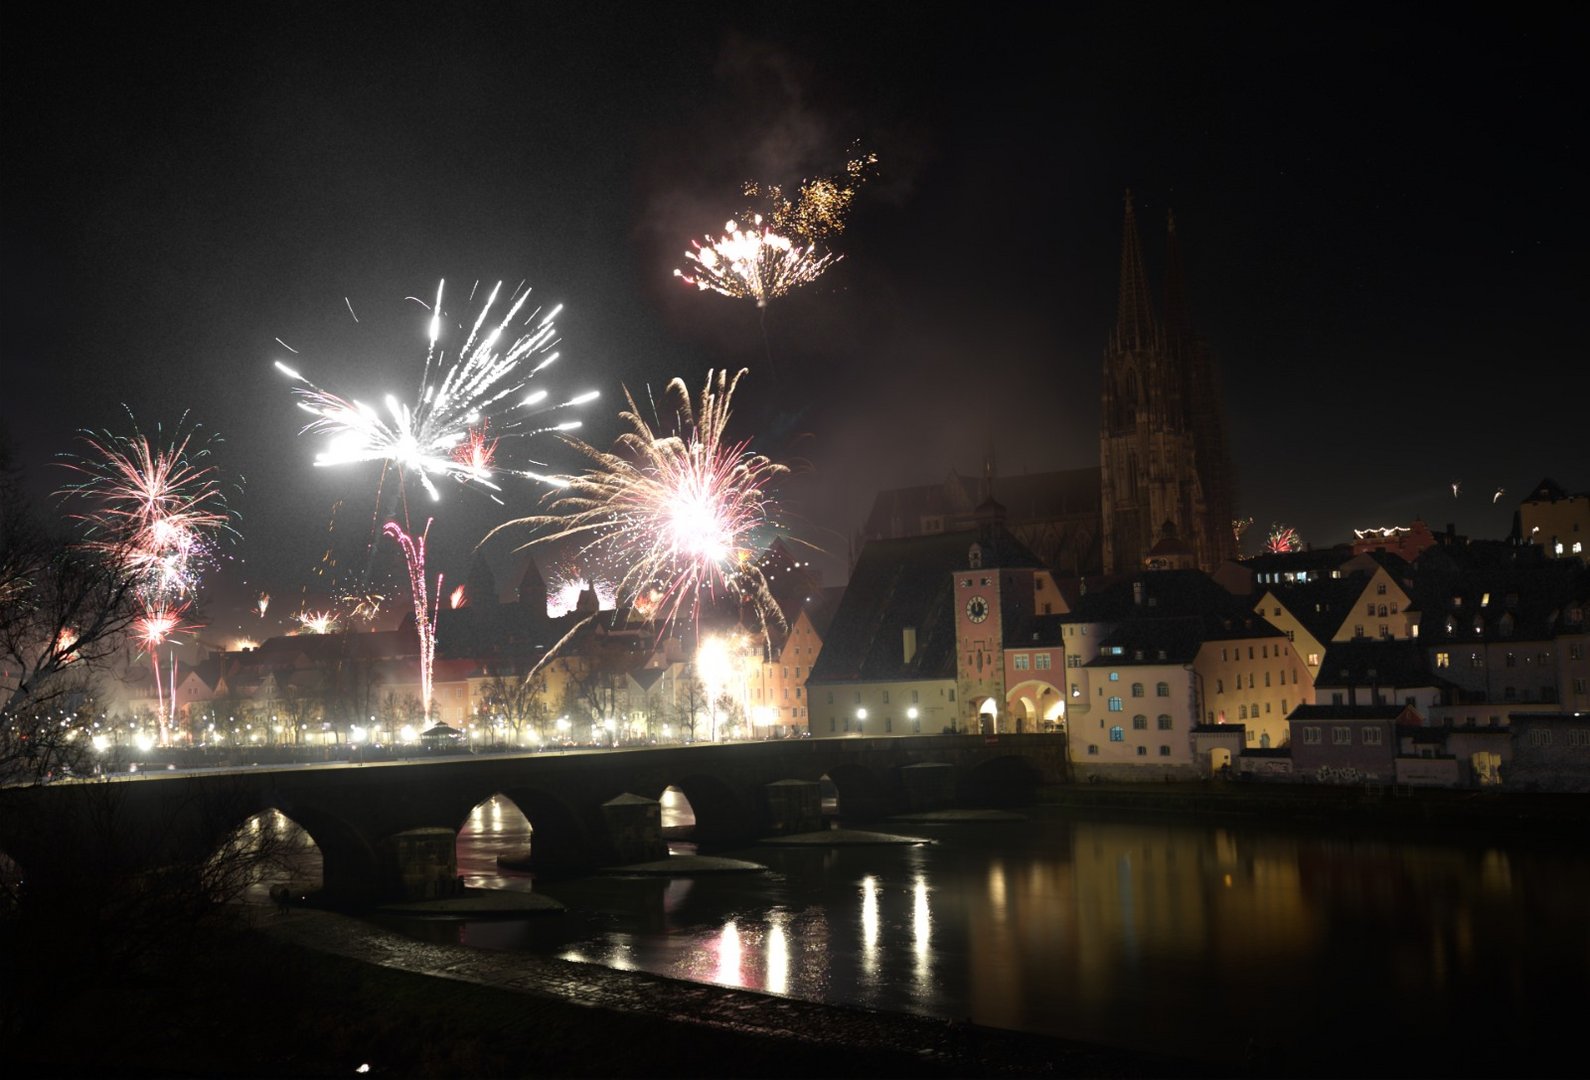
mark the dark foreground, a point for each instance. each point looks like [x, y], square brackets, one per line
[287, 997]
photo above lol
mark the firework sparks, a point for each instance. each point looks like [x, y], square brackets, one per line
[818, 211]
[424, 613]
[1240, 526]
[486, 380]
[318, 622]
[679, 511]
[1283, 539]
[363, 604]
[1499, 493]
[568, 581]
[156, 509]
[457, 598]
[263, 603]
[754, 263]
[1455, 485]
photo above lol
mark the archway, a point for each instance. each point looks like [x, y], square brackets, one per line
[492, 848]
[267, 857]
[830, 795]
[1220, 761]
[988, 717]
[678, 821]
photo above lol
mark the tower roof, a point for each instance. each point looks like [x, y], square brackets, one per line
[1135, 325]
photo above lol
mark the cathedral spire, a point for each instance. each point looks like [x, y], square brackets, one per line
[1135, 327]
[1178, 322]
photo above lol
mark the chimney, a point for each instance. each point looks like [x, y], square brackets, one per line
[908, 641]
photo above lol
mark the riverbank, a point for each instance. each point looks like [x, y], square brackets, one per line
[1420, 810]
[317, 994]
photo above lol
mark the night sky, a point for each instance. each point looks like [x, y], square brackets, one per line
[1380, 215]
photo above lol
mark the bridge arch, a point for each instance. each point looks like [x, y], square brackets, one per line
[267, 849]
[348, 864]
[495, 836]
[721, 811]
[560, 837]
[1035, 706]
[862, 792]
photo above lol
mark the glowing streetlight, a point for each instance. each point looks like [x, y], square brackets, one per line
[914, 716]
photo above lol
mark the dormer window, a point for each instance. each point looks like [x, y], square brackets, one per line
[1485, 599]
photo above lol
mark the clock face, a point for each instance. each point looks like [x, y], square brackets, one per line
[977, 609]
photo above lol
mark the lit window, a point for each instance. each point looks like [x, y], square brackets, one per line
[1115, 704]
[1443, 660]
[1041, 661]
[1313, 659]
[1020, 662]
[1115, 676]
[1117, 734]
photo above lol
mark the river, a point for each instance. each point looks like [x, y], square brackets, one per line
[1224, 943]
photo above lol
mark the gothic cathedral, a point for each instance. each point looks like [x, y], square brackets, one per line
[1162, 444]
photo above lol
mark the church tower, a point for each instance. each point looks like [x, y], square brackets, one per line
[1161, 435]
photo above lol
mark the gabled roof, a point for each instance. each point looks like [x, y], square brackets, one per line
[1321, 606]
[900, 584]
[1397, 663]
[1152, 641]
[1402, 714]
[1156, 594]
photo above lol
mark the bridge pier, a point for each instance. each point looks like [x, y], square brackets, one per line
[634, 829]
[419, 864]
[794, 806]
[929, 785]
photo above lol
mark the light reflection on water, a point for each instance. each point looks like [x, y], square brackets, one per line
[1180, 939]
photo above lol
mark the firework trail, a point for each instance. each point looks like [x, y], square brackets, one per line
[157, 510]
[678, 511]
[263, 603]
[424, 612]
[363, 604]
[1498, 495]
[485, 380]
[1455, 485]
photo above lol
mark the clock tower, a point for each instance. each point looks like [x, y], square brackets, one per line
[979, 643]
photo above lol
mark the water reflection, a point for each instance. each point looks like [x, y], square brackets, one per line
[1179, 939]
[494, 828]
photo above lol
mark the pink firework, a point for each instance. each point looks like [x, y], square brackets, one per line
[424, 612]
[477, 452]
[1283, 539]
[680, 512]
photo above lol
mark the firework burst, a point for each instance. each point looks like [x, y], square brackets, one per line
[1283, 539]
[157, 510]
[753, 263]
[443, 433]
[678, 511]
[819, 208]
[569, 580]
[318, 622]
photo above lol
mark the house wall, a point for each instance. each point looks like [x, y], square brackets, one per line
[1253, 681]
[1368, 747]
[834, 707]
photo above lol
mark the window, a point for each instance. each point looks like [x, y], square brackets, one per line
[1311, 736]
[1512, 660]
[1476, 661]
[1443, 659]
[1093, 748]
[1358, 630]
[886, 697]
[1115, 676]
[1341, 735]
[1162, 689]
[1164, 722]
[1041, 661]
[1371, 736]
[1266, 678]
[1578, 686]
[1313, 659]
[1220, 686]
[1076, 690]
[952, 694]
[1137, 689]
[1140, 723]
[1020, 661]
[1117, 733]
[1242, 712]
[1073, 660]
[1115, 704]
[1381, 588]
[1142, 751]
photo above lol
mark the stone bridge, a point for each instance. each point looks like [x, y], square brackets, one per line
[354, 812]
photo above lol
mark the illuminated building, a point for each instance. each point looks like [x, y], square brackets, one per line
[1557, 521]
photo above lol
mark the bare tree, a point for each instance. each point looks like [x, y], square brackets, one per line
[518, 702]
[65, 615]
[690, 699]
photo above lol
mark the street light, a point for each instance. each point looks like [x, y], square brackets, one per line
[915, 717]
[861, 719]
